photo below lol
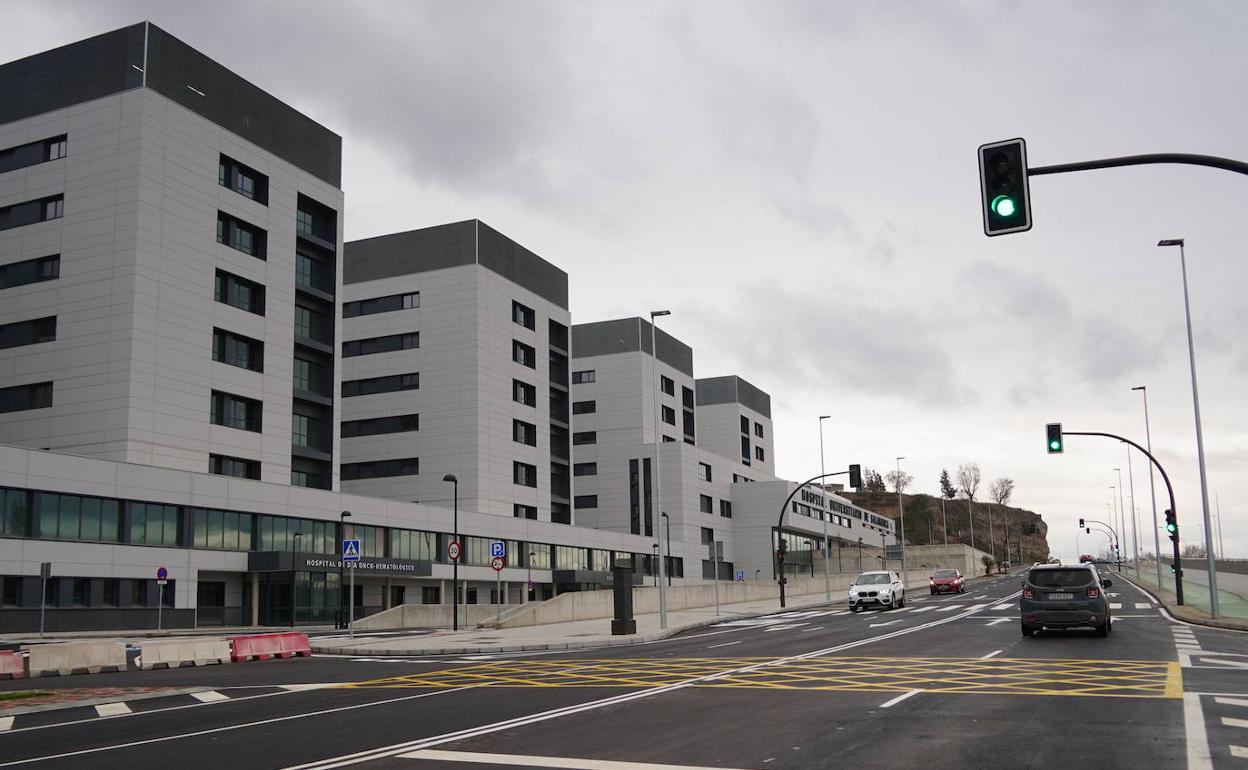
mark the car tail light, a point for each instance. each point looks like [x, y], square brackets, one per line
[1094, 593]
[1028, 593]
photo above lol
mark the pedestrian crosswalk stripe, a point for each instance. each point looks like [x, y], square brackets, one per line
[1233, 722]
[211, 696]
[1002, 607]
[1143, 605]
[1230, 701]
[924, 609]
[112, 709]
[950, 607]
[1115, 605]
[6, 723]
[1239, 751]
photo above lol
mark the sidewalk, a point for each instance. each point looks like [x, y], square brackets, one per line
[1232, 595]
[573, 635]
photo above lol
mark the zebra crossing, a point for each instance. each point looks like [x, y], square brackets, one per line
[787, 620]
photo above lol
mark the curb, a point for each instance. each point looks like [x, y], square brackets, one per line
[1184, 615]
[372, 652]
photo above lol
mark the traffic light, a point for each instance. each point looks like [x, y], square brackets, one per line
[1053, 437]
[855, 476]
[1087, 530]
[1003, 187]
[1172, 526]
[1081, 523]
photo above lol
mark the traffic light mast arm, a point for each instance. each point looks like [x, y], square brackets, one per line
[1110, 529]
[1178, 564]
[787, 500]
[1226, 164]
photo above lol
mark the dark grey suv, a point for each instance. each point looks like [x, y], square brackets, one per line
[1065, 596]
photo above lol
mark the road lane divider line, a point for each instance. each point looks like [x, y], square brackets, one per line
[565, 763]
[899, 699]
[389, 751]
[227, 728]
[1231, 701]
[992, 654]
[722, 644]
[1198, 756]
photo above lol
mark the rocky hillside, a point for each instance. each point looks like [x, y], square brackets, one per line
[923, 523]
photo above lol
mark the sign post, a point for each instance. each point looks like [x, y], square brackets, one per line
[498, 560]
[351, 555]
[717, 552]
[45, 572]
[162, 577]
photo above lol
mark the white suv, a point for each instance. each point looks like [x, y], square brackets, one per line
[877, 589]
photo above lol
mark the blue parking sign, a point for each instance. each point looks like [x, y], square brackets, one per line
[498, 548]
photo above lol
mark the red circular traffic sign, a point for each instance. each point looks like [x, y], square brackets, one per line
[162, 573]
[452, 551]
[498, 563]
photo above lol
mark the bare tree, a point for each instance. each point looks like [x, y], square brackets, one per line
[968, 484]
[1002, 490]
[872, 481]
[900, 480]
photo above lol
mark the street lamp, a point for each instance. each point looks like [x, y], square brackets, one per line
[1122, 504]
[1113, 516]
[827, 579]
[667, 524]
[902, 535]
[658, 477]
[1200, 439]
[294, 547]
[455, 562]
[1152, 487]
[342, 535]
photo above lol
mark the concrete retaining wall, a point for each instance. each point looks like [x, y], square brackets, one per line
[431, 616]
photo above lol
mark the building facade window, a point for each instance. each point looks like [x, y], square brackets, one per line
[706, 504]
[33, 153]
[389, 384]
[523, 393]
[667, 385]
[758, 429]
[704, 472]
[77, 517]
[585, 376]
[524, 432]
[759, 454]
[523, 315]
[154, 524]
[237, 350]
[377, 469]
[386, 344]
[585, 501]
[584, 407]
[669, 414]
[584, 437]
[725, 508]
[221, 530]
[386, 304]
[243, 180]
[236, 411]
[310, 376]
[312, 272]
[745, 450]
[307, 432]
[30, 271]
[240, 235]
[32, 212]
[521, 511]
[239, 292]
[32, 332]
[416, 545]
[523, 354]
[238, 467]
[19, 398]
[312, 324]
[524, 474]
[585, 469]
[399, 423]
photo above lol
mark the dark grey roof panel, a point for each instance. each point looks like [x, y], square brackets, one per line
[624, 335]
[114, 62]
[451, 245]
[731, 389]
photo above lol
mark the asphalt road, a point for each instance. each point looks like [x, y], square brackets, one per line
[946, 682]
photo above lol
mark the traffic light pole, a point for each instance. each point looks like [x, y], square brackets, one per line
[780, 551]
[1226, 164]
[1174, 538]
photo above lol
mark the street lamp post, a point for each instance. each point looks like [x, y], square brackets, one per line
[658, 477]
[860, 554]
[1135, 535]
[667, 525]
[1113, 516]
[455, 539]
[1122, 504]
[655, 565]
[901, 538]
[1221, 545]
[1152, 486]
[944, 524]
[342, 535]
[827, 579]
[1200, 438]
[529, 589]
[294, 576]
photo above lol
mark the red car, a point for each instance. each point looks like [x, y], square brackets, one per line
[945, 581]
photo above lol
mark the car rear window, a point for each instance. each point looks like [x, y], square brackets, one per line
[1060, 578]
[944, 573]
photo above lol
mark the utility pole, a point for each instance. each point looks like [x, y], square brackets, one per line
[658, 483]
[823, 515]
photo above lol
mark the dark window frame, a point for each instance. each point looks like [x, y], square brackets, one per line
[30, 271]
[389, 303]
[226, 289]
[387, 343]
[230, 230]
[391, 383]
[225, 341]
[222, 411]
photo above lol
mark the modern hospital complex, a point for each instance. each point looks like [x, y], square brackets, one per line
[198, 373]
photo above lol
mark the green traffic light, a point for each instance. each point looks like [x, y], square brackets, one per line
[1055, 445]
[1003, 206]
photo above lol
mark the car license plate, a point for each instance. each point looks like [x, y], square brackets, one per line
[1061, 596]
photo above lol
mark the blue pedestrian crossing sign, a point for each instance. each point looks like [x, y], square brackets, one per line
[740, 575]
[498, 548]
[350, 550]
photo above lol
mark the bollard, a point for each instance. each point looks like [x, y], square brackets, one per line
[623, 623]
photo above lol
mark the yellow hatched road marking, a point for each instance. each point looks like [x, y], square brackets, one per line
[995, 676]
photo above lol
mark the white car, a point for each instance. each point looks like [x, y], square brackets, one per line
[877, 589]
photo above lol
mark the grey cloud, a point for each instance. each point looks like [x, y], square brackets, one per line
[1109, 350]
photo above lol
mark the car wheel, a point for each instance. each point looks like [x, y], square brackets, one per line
[1102, 630]
[853, 608]
[903, 599]
[1027, 630]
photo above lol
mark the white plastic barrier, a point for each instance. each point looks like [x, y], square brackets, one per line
[177, 652]
[74, 657]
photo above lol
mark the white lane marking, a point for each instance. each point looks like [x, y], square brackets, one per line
[812, 628]
[210, 696]
[487, 729]
[1115, 605]
[995, 621]
[899, 699]
[1239, 751]
[1233, 722]
[569, 763]
[992, 654]
[981, 596]
[923, 609]
[888, 623]
[112, 709]
[6, 723]
[1144, 605]
[1003, 607]
[785, 626]
[303, 687]
[948, 609]
[1198, 757]
[722, 644]
[1231, 701]
[228, 728]
[1220, 663]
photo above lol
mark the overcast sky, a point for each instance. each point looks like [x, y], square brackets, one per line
[797, 182]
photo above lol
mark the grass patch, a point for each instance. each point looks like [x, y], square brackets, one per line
[20, 694]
